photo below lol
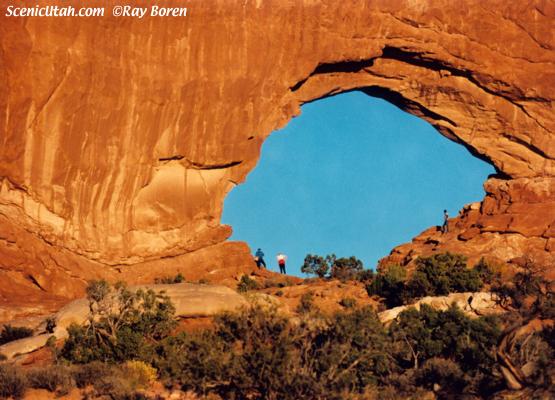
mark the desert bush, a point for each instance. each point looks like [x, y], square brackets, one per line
[529, 293]
[13, 382]
[444, 373]
[348, 302]
[315, 265]
[487, 271]
[116, 387]
[139, 374]
[121, 324]
[306, 303]
[246, 283]
[50, 324]
[389, 283]
[196, 361]
[345, 268]
[54, 378]
[259, 354]
[179, 278]
[426, 333]
[351, 351]
[87, 374]
[442, 274]
[437, 275]
[10, 333]
[366, 275]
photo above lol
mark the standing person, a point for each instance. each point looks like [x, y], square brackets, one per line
[445, 226]
[281, 258]
[259, 258]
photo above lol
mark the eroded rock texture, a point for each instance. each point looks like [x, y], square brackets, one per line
[119, 138]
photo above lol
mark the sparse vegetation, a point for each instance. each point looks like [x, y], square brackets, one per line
[87, 374]
[259, 353]
[347, 302]
[306, 303]
[246, 283]
[139, 374]
[179, 278]
[55, 378]
[10, 333]
[13, 382]
[487, 271]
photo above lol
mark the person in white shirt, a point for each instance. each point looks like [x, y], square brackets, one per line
[281, 258]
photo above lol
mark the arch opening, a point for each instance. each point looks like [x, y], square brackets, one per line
[352, 175]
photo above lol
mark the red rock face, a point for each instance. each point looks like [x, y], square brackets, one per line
[514, 222]
[120, 137]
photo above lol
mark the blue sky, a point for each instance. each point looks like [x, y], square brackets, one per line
[352, 175]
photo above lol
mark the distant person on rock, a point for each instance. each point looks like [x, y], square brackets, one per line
[445, 226]
[259, 258]
[281, 258]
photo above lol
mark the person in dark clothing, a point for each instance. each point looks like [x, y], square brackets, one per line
[445, 226]
[259, 258]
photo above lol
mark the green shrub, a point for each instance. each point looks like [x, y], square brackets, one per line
[427, 333]
[142, 317]
[258, 354]
[442, 274]
[54, 378]
[279, 293]
[13, 382]
[10, 333]
[315, 265]
[437, 275]
[389, 284]
[345, 268]
[246, 284]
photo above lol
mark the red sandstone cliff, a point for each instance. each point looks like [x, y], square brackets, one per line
[120, 137]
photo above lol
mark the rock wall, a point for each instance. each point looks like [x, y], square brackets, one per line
[120, 137]
[515, 223]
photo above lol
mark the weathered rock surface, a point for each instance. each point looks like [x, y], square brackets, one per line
[327, 295]
[116, 154]
[473, 304]
[516, 219]
[189, 300]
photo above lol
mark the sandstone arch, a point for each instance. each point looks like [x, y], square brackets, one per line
[116, 155]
